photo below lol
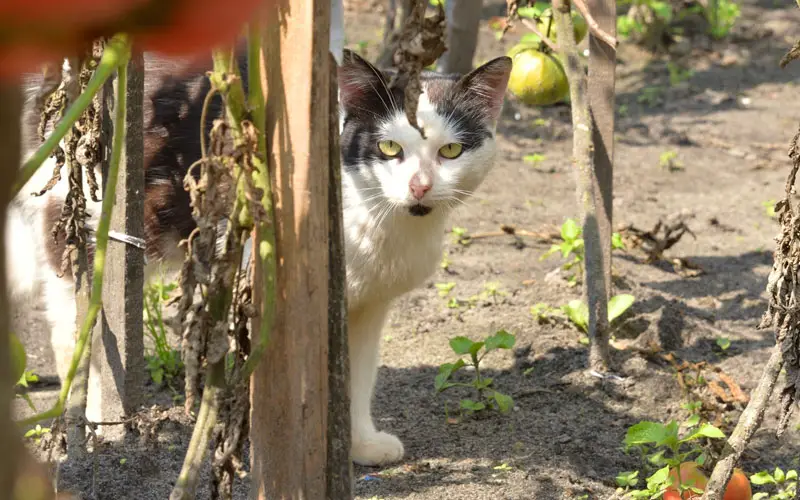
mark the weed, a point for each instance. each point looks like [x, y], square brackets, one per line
[721, 21]
[678, 74]
[164, 363]
[578, 312]
[37, 433]
[769, 208]
[783, 483]
[492, 289]
[723, 343]
[651, 96]
[487, 397]
[544, 312]
[460, 235]
[444, 288]
[533, 159]
[668, 160]
[445, 263]
[571, 246]
[665, 447]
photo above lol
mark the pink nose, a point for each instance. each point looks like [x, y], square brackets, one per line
[417, 188]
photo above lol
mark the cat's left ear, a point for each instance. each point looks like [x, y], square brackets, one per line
[486, 86]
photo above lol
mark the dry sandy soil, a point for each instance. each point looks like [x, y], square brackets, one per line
[730, 125]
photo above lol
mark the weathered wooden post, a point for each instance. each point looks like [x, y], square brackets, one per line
[463, 20]
[291, 453]
[118, 353]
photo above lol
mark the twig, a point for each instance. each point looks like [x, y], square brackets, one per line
[748, 424]
[545, 39]
[594, 288]
[594, 28]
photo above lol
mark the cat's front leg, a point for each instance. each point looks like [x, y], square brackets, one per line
[370, 446]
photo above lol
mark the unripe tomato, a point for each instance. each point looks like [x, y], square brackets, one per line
[537, 79]
[579, 26]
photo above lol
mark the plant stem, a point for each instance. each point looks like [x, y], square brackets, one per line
[264, 239]
[121, 50]
[115, 53]
[186, 484]
[582, 146]
[748, 424]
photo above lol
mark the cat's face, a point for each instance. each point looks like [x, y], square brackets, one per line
[387, 161]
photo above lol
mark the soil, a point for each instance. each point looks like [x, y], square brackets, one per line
[729, 126]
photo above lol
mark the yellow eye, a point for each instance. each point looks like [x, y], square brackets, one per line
[390, 148]
[451, 151]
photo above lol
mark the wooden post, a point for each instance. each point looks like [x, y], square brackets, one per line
[119, 352]
[290, 385]
[602, 65]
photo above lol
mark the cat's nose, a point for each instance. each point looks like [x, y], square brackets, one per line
[419, 187]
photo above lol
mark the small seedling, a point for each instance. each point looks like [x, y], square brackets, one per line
[723, 343]
[37, 433]
[164, 363]
[572, 248]
[492, 289]
[460, 235]
[669, 161]
[444, 288]
[544, 312]
[678, 74]
[783, 484]
[769, 208]
[487, 397]
[664, 446]
[533, 159]
[651, 96]
[578, 312]
[445, 263]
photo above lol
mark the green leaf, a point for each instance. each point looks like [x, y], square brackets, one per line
[483, 383]
[628, 478]
[502, 339]
[779, 475]
[762, 478]
[692, 421]
[468, 404]
[791, 475]
[461, 345]
[577, 312]
[19, 359]
[533, 12]
[529, 39]
[566, 248]
[645, 433]
[761, 496]
[723, 343]
[445, 372]
[616, 241]
[618, 305]
[570, 231]
[658, 479]
[504, 402]
[536, 157]
[705, 430]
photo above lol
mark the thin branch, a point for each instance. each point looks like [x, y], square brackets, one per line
[748, 424]
[582, 145]
[531, 26]
[594, 28]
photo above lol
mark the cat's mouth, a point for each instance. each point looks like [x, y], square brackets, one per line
[419, 210]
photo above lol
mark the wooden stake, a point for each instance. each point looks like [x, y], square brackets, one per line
[290, 385]
[119, 352]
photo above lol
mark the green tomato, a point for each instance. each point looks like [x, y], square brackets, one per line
[578, 23]
[538, 79]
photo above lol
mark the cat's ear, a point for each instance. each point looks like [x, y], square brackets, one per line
[359, 83]
[486, 86]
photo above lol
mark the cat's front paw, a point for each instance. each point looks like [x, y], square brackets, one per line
[378, 448]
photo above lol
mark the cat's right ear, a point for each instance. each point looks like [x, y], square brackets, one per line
[359, 82]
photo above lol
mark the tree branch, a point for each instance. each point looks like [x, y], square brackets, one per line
[594, 28]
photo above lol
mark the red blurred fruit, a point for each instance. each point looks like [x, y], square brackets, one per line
[75, 12]
[738, 487]
[691, 476]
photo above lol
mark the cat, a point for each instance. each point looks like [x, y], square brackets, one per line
[398, 190]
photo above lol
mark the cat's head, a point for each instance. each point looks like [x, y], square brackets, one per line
[388, 162]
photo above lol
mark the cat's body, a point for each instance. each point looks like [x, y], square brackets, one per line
[397, 189]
